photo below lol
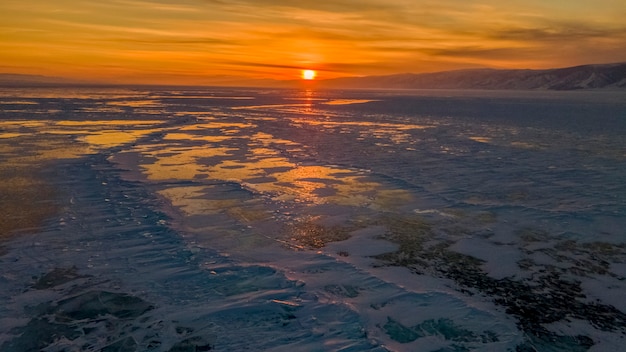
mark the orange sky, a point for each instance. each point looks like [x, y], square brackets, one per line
[215, 41]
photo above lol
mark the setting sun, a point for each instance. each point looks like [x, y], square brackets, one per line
[308, 74]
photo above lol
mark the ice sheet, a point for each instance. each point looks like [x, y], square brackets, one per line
[236, 219]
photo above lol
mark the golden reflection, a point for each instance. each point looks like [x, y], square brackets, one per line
[184, 95]
[99, 123]
[136, 103]
[270, 106]
[193, 200]
[263, 151]
[71, 139]
[308, 94]
[271, 174]
[348, 101]
[217, 125]
[481, 139]
[10, 135]
[177, 163]
[19, 102]
[192, 137]
[14, 124]
[33, 150]
[115, 110]
[97, 133]
[113, 138]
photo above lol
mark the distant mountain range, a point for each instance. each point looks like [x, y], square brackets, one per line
[603, 76]
[17, 80]
[570, 78]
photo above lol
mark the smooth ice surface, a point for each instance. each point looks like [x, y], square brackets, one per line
[281, 220]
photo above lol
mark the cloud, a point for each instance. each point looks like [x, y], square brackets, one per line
[261, 64]
[558, 31]
[154, 5]
[160, 41]
[473, 52]
[340, 6]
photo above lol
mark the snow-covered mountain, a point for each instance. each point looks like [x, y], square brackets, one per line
[578, 77]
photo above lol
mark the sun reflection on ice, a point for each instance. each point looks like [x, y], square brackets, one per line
[260, 167]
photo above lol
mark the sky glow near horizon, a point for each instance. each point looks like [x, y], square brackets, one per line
[218, 41]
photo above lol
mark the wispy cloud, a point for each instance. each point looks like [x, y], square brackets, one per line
[559, 31]
[155, 5]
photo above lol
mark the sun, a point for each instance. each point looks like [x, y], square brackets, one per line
[308, 74]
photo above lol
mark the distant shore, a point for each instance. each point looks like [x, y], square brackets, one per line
[583, 77]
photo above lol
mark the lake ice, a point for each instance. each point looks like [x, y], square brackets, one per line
[193, 219]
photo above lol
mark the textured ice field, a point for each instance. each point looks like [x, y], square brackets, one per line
[283, 220]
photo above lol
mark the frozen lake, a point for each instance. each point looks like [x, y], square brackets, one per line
[195, 219]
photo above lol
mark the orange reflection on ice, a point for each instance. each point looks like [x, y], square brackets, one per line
[270, 106]
[31, 141]
[192, 200]
[114, 110]
[480, 139]
[309, 183]
[261, 168]
[100, 123]
[33, 148]
[217, 125]
[135, 103]
[10, 135]
[113, 138]
[16, 124]
[179, 163]
[348, 101]
[194, 137]
[104, 133]
[19, 102]
[189, 200]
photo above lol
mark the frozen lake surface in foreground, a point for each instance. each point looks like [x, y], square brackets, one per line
[188, 219]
